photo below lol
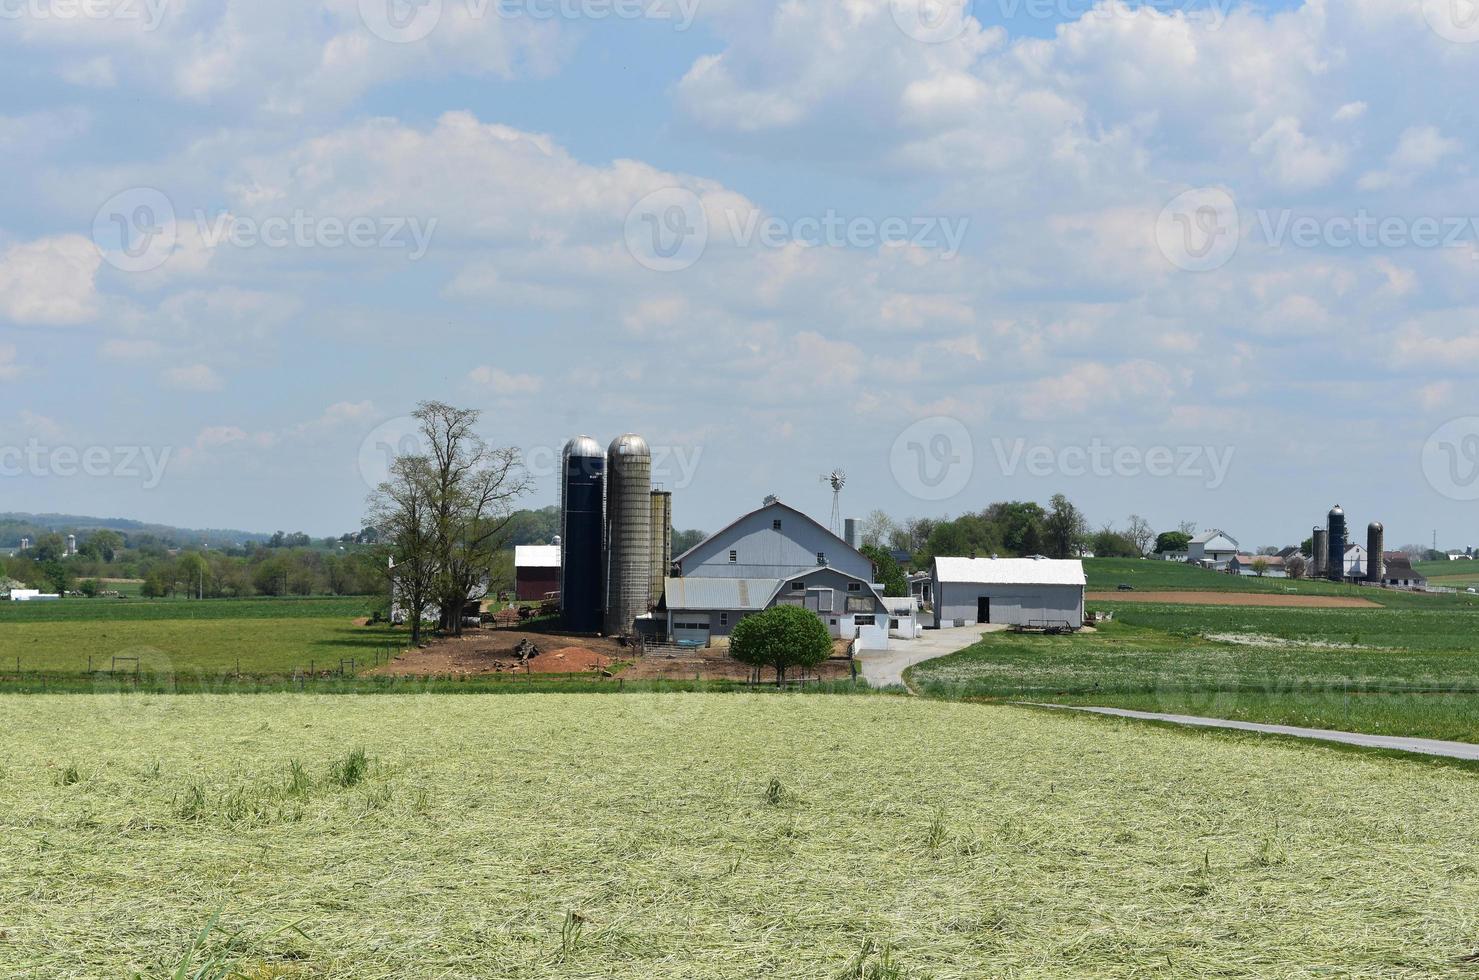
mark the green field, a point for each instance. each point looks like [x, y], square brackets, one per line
[1149, 575]
[262, 636]
[710, 837]
[1411, 668]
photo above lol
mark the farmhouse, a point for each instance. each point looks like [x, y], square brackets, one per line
[774, 556]
[1212, 548]
[536, 571]
[1014, 591]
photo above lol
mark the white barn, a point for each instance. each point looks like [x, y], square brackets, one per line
[1013, 591]
[1212, 547]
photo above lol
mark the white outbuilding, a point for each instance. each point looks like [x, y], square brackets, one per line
[1010, 591]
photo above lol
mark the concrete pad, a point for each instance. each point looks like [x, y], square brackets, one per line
[885, 668]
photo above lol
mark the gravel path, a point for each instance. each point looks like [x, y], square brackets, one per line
[885, 668]
[1397, 743]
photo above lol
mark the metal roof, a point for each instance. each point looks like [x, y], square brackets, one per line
[719, 593]
[1010, 571]
[1210, 534]
[537, 556]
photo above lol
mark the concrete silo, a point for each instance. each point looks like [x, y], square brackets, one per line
[1376, 547]
[628, 532]
[582, 535]
[662, 542]
[1321, 548]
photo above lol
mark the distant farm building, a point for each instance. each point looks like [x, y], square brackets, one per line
[1259, 566]
[1011, 591]
[536, 571]
[1212, 548]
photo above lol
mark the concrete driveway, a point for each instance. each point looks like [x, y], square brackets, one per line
[885, 668]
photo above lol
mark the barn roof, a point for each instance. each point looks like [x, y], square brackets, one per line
[537, 556]
[719, 593]
[1010, 571]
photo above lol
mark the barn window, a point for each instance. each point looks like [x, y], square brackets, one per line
[798, 586]
[775, 525]
[724, 619]
[864, 621]
[893, 624]
[733, 556]
[821, 558]
[854, 586]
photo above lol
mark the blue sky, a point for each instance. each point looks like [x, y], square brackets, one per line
[1208, 262]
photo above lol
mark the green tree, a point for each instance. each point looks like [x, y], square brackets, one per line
[90, 587]
[193, 571]
[56, 575]
[888, 572]
[1171, 541]
[782, 638]
[1065, 526]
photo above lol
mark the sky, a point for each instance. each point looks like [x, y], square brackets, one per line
[1214, 262]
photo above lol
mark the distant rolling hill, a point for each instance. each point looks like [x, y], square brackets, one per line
[14, 526]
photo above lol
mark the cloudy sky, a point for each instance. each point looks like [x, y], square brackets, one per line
[1211, 262]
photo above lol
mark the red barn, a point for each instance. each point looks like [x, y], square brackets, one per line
[536, 570]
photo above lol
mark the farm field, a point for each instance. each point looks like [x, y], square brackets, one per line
[1107, 574]
[719, 836]
[262, 636]
[1391, 671]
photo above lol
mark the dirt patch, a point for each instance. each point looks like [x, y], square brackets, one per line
[491, 651]
[1236, 599]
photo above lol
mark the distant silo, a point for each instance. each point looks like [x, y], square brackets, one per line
[662, 542]
[850, 533]
[1335, 571]
[628, 532]
[582, 526]
[1320, 560]
[1376, 547]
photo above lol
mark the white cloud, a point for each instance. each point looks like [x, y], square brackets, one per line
[505, 383]
[192, 377]
[49, 281]
[9, 369]
[1418, 150]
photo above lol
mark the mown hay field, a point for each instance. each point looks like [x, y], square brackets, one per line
[712, 836]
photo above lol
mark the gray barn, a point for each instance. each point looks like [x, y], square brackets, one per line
[1012, 591]
[772, 542]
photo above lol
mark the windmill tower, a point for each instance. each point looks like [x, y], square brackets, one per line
[838, 479]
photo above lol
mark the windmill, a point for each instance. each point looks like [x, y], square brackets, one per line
[838, 479]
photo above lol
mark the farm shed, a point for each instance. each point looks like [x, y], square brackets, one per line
[536, 570]
[699, 608]
[1011, 591]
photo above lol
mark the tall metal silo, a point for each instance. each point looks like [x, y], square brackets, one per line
[1321, 548]
[582, 530]
[662, 542]
[1376, 548]
[628, 532]
[1335, 571]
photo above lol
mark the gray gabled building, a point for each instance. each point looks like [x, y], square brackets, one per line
[775, 555]
[1013, 591]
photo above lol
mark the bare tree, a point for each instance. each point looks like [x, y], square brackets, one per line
[401, 514]
[1140, 532]
[1260, 566]
[878, 529]
[473, 487]
[1188, 528]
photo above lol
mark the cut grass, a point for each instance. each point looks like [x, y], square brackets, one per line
[537, 837]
